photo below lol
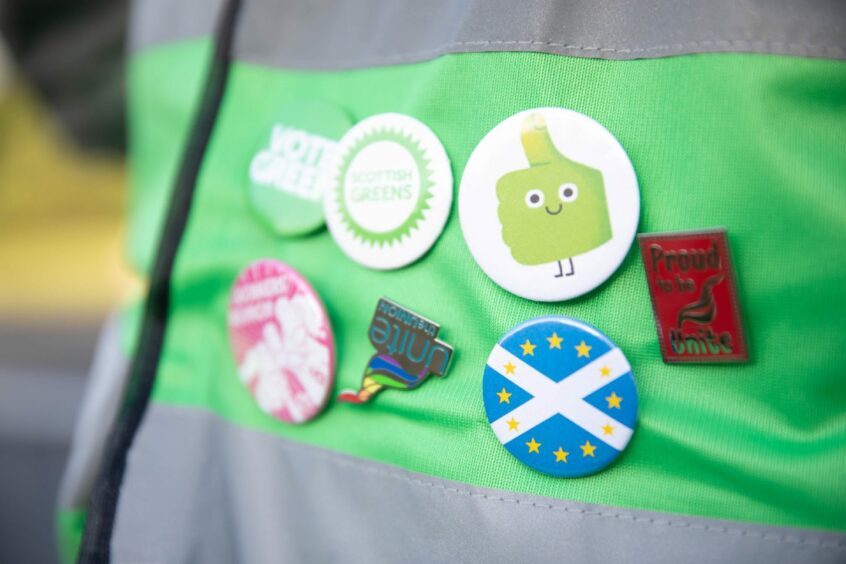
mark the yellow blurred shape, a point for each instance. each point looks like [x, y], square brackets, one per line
[61, 220]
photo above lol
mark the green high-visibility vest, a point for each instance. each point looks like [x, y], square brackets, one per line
[732, 115]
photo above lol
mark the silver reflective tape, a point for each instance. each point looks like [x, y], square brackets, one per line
[342, 34]
[200, 489]
[157, 22]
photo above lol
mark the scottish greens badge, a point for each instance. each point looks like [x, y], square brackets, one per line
[407, 352]
[560, 396]
[390, 191]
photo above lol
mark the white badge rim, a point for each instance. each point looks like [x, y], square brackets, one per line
[500, 151]
[421, 238]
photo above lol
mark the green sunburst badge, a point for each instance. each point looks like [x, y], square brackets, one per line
[390, 192]
[422, 164]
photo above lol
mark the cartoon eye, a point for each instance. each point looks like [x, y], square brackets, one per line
[534, 198]
[568, 192]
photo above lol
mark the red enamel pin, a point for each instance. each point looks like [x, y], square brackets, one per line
[694, 296]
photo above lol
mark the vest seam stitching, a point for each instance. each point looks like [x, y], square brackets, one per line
[792, 48]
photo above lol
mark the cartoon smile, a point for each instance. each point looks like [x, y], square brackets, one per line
[556, 212]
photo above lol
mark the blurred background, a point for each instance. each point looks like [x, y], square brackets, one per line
[61, 274]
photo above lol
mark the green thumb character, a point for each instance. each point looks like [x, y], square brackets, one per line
[553, 210]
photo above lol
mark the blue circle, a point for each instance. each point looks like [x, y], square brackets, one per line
[560, 396]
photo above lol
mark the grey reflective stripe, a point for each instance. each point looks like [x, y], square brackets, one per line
[153, 22]
[105, 386]
[339, 34]
[200, 489]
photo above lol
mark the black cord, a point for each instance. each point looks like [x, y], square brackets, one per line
[96, 540]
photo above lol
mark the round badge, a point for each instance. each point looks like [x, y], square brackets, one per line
[560, 396]
[285, 170]
[390, 192]
[549, 204]
[282, 341]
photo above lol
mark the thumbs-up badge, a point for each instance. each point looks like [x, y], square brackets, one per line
[549, 204]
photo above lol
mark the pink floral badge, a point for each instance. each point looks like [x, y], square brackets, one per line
[282, 340]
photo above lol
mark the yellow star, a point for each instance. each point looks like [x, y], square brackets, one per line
[533, 446]
[605, 371]
[509, 368]
[587, 449]
[554, 341]
[583, 349]
[560, 455]
[512, 425]
[608, 429]
[504, 397]
[528, 348]
[613, 400]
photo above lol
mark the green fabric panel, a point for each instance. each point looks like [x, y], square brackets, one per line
[163, 84]
[69, 526]
[750, 142]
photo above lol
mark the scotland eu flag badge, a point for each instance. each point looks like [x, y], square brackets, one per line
[560, 396]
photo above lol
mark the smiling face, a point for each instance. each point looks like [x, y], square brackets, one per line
[556, 208]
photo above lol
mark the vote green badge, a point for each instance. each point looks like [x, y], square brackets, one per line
[390, 191]
[549, 204]
[285, 172]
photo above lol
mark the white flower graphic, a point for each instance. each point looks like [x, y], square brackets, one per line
[288, 369]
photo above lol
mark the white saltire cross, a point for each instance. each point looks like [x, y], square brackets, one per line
[565, 397]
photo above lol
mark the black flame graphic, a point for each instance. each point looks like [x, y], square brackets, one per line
[704, 309]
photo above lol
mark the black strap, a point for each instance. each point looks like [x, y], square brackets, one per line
[96, 540]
